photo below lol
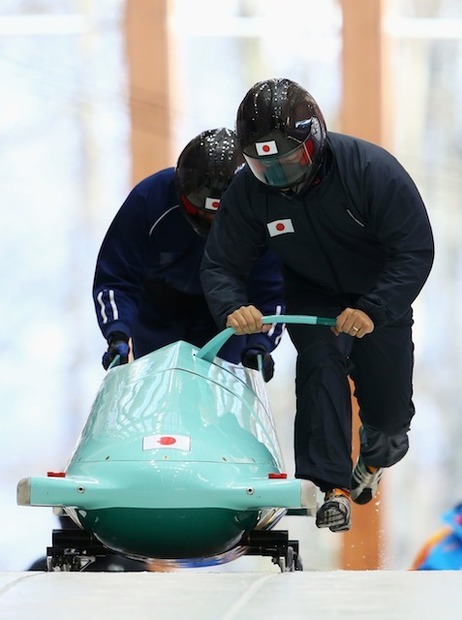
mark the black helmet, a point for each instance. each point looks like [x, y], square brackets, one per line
[203, 172]
[282, 133]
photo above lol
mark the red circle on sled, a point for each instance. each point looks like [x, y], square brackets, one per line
[167, 441]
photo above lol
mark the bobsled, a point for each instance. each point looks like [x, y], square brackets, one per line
[178, 462]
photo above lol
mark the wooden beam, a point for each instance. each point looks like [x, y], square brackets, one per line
[365, 105]
[148, 83]
[365, 114]
[362, 546]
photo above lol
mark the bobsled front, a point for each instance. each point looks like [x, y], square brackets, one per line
[179, 458]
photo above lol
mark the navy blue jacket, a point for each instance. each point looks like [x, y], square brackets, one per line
[148, 269]
[361, 236]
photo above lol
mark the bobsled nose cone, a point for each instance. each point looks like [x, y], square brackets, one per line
[23, 492]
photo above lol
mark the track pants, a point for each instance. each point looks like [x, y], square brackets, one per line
[381, 367]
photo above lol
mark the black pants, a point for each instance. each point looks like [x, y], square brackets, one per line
[381, 366]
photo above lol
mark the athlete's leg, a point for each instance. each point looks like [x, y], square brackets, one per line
[383, 367]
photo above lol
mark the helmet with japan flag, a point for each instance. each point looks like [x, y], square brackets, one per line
[204, 170]
[282, 133]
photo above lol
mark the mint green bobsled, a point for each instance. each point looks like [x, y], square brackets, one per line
[179, 458]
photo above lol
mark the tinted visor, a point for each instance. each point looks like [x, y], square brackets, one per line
[285, 170]
[205, 204]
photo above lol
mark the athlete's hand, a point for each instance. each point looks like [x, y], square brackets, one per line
[246, 320]
[258, 358]
[354, 322]
[118, 346]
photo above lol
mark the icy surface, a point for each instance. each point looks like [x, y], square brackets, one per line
[382, 595]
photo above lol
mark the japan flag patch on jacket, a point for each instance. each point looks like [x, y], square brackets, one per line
[280, 227]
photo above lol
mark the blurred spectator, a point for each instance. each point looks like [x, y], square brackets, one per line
[443, 550]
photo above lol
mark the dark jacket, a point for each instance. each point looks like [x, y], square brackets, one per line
[361, 235]
[151, 256]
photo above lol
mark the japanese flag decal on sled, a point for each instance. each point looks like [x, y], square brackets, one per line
[178, 462]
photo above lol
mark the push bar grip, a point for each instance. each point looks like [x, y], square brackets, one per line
[301, 319]
[209, 351]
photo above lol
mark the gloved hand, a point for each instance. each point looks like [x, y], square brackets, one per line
[250, 359]
[118, 345]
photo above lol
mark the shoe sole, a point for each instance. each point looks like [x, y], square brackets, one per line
[328, 514]
[344, 528]
[363, 498]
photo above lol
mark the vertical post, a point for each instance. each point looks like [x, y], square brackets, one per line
[364, 115]
[361, 547]
[365, 106]
[148, 85]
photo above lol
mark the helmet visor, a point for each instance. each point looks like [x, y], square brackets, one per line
[284, 171]
[203, 198]
[200, 219]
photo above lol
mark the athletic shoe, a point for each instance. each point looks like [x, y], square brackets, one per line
[335, 512]
[364, 482]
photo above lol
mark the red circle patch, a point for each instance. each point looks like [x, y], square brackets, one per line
[167, 441]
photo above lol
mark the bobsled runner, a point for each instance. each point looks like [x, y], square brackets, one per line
[177, 463]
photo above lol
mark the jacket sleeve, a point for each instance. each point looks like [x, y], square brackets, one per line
[229, 273]
[266, 292]
[398, 216]
[120, 269]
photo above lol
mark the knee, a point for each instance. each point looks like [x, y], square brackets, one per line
[381, 449]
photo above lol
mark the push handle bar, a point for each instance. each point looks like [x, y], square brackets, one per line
[209, 351]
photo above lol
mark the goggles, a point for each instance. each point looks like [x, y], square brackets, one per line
[284, 171]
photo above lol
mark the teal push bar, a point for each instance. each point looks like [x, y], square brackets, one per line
[209, 351]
